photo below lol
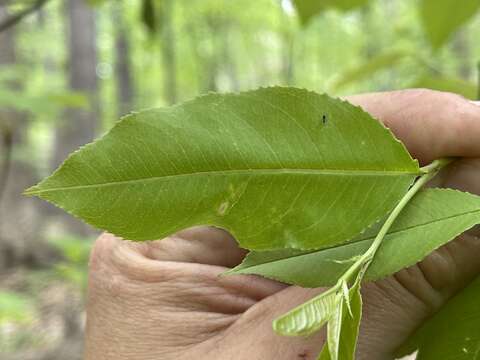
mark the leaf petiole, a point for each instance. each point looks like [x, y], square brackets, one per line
[429, 172]
[318, 304]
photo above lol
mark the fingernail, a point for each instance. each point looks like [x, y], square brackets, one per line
[475, 103]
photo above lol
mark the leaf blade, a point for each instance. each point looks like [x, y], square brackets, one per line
[342, 340]
[217, 159]
[309, 317]
[443, 17]
[425, 225]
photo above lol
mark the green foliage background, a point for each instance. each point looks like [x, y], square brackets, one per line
[341, 47]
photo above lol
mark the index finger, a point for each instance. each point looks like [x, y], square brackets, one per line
[432, 124]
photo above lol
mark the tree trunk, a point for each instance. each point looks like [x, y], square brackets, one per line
[123, 75]
[7, 119]
[20, 220]
[168, 52]
[7, 42]
[80, 125]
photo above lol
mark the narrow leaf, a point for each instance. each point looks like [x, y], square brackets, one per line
[343, 329]
[278, 167]
[308, 317]
[424, 225]
[442, 17]
[334, 331]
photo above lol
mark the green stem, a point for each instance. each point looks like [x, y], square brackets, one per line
[433, 169]
[364, 261]
[361, 264]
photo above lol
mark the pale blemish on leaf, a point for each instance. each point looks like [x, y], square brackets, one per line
[234, 195]
[223, 208]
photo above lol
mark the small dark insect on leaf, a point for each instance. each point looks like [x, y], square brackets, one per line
[324, 119]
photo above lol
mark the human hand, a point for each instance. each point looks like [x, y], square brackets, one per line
[165, 300]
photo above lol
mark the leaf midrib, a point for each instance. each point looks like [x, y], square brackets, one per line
[365, 239]
[337, 172]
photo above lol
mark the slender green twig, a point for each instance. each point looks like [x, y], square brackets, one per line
[356, 272]
[364, 261]
[431, 171]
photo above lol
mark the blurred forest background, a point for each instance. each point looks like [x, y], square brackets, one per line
[70, 68]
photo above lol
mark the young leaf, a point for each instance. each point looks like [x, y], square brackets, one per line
[334, 332]
[343, 328]
[442, 17]
[453, 333]
[310, 316]
[278, 167]
[424, 225]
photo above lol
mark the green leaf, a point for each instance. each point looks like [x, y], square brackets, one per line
[441, 83]
[366, 69]
[308, 317]
[308, 9]
[278, 167]
[331, 350]
[343, 328]
[424, 225]
[442, 17]
[453, 333]
[148, 16]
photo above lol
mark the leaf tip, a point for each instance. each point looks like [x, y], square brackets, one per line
[279, 327]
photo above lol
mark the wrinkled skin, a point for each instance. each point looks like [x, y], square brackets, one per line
[164, 299]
